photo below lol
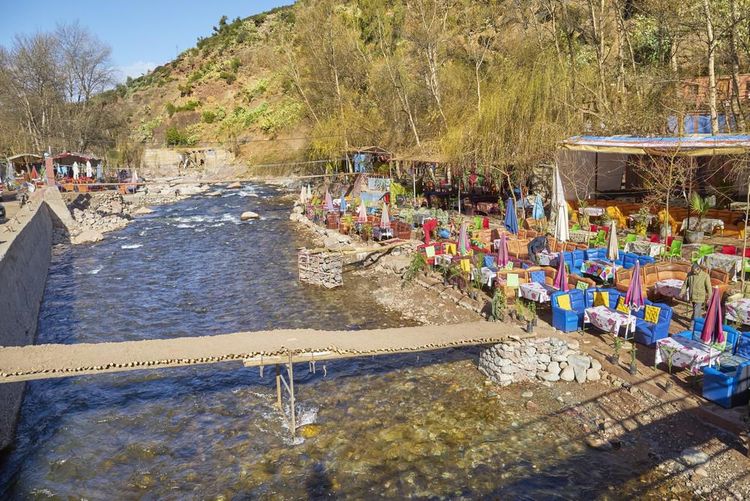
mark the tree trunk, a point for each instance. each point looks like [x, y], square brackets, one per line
[737, 111]
[711, 69]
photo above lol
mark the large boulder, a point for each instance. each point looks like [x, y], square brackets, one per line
[234, 186]
[580, 364]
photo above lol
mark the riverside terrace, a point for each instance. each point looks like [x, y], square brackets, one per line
[596, 262]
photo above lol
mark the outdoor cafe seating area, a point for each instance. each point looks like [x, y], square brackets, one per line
[607, 278]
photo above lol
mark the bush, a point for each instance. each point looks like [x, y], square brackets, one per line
[176, 137]
[228, 77]
[171, 109]
[234, 64]
[208, 117]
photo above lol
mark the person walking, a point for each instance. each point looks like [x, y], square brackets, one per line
[696, 289]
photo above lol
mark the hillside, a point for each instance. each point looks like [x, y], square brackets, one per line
[488, 83]
[228, 89]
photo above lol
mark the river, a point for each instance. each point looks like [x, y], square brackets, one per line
[423, 425]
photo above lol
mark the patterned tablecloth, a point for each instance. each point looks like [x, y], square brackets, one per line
[548, 258]
[487, 207]
[727, 262]
[592, 211]
[708, 225]
[644, 248]
[604, 270]
[670, 287]
[581, 236]
[685, 353]
[738, 311]
[609, 320]
[443, 259]
[536, 292]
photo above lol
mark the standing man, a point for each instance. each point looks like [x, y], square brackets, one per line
[697, 289]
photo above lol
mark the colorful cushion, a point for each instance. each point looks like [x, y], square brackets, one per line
[621, 306]
[430, 251]
[582, 285]
[450, 248]
[601, 298]
[513, 280]
[563, 302]
[465, 265]
[651, 314]
[743, 346]
[538, 276]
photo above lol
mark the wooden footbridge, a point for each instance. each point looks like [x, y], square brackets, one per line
[259, 349]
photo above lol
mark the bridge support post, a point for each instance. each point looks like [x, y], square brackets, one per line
[278, 387]
[292, 410]
[290, 389]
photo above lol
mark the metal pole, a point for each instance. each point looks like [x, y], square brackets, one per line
[291, 394]
[278, 386]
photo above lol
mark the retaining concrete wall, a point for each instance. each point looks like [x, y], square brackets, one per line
[24, 260]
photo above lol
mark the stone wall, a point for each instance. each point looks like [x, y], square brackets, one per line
[321, 268]
[25, 250]
[545, 359]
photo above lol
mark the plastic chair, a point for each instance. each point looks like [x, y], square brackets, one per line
[630, 237]
[654, 239]
[747, 252]
[729, 249]
[600, 240]
[669, 241]
[703, 251]
[576, 227]
[675, 250]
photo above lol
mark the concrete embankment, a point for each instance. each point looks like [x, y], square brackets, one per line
[25, 251]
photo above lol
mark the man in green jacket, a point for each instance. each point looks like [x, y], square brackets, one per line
[697, 289]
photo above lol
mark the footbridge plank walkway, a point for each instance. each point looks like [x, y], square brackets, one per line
[24, 363]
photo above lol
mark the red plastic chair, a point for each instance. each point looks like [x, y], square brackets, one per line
[593, 228]
[747, 252]
[670, 238]
[654, 239]
[729, 249]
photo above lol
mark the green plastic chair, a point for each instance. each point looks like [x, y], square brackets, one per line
[703, 251]
[675, 250]
[600, 240]
[576, 227]
[630, 237]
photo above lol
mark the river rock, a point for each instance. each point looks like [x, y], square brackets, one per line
[216, 193]
[593, 375]
[248, 215]
[553, 367]
[234, 186]
[580, 364]
[142, 211]
[551, 376]
[568, 374]
[595, 364]
[693, 456]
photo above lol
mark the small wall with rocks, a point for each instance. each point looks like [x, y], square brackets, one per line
[545, 359]
[321, 268]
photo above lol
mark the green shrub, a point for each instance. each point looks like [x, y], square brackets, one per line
[176, 137]
[208, 117]
[171, 109]
[234, 64]
[228, 77]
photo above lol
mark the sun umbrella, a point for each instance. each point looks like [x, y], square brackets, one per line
[634, 296]
[511, 219]
[99, 171]
[612, 247]
[538, 210]
[362, 213]
[89, 171]
[502, 252]
[385, 220]
[713, 331]
[463, 240]
[561, 277]
[559, 208]
[76, 170]
[328, 202]
[342, 204]
[309, 192]
[34, 173]
[135, 177]
[303, 196]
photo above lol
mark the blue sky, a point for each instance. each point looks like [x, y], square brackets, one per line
[142, 33]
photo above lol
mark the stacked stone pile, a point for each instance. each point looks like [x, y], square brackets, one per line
[546, 359]
[321, 268]
[101, 212]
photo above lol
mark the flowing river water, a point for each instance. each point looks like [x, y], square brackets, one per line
[421, 425]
